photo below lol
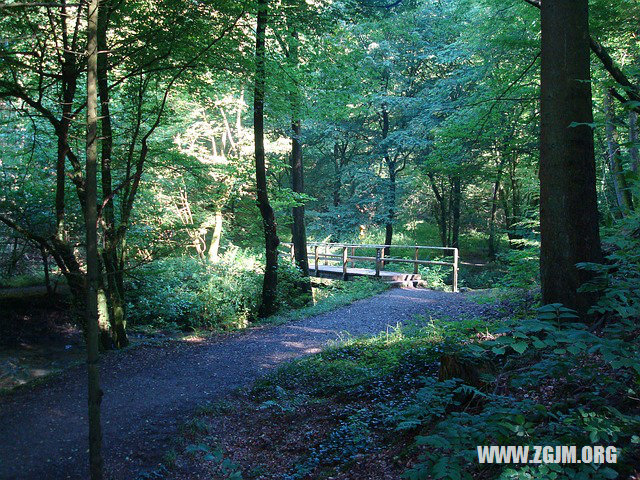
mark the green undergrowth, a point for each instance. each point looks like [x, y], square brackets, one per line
[189, 295]
[423, 397]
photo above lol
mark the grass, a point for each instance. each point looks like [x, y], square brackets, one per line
[28, 280]
[328, 415]
[392, 406]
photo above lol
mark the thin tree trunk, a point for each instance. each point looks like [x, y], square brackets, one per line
[114, 294]
[568, 205]
[270, 282]
[337, 181]
[45, 268]
[390, 195]
[623, 194]
[494, 211]
[442, 215]
[214, 246]
[298, 229]
[391, 210]
[69, 86]
[633, 140]
[93, 267]
[456, 194]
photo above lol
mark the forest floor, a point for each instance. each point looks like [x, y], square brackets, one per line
[150, 391]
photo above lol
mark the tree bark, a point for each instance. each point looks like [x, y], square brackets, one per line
[390, 194]
[391, 210]
[270, 283]
[214, 246]
[456, 194]
[298, 230]
[568, 206]
[115, 279]
[337, 180]
[45, 268]
[623, 194]
[93, 267]
[633, 139]
[494, 211]
[442, 213]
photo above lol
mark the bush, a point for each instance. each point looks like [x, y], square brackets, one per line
[184, 293]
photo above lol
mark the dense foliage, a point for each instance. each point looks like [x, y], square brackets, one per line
[417, 122]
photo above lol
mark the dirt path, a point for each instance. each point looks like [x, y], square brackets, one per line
[150, 391]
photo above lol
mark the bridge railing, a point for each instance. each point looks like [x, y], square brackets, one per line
[322, 251]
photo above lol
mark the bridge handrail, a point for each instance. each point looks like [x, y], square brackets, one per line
[379, 259]
[362, 245]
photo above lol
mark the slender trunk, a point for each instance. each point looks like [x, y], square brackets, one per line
[391, 211]
[69, 85]
[60, 180]
[494, 211]
[15, 257]
[270, 282]
[337, 181]
[633, 140]
[45, 268]
[569, 227]
[214, 246]
[623, 194]
[390, 196]
[456, 194]
[442, 214]
[298, 229]
[114, 295]
[93, 267]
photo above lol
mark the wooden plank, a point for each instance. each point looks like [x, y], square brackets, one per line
[331, 271]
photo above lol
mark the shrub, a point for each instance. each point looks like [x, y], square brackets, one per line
[185, 293]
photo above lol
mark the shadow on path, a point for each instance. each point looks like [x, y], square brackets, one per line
[151, 390]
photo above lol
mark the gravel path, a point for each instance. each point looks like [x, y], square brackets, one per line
[149, 391]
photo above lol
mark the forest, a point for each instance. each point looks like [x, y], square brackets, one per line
[319, 239]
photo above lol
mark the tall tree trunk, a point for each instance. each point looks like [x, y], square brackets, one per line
[114, 294]
[391, 210]
[623, 194]
[270, 282]
[494, 211]
[456, 194]
[390, 194]
[298, 231]
[633, 140]
[568, 206]
[93, 267]
[214, 246]
[442, 210]
[337, 180]
[69, 86]
[45, 267]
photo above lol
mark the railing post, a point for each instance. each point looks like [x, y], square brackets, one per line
[353, 254]
[293, 252]
[315, 255]
[326, 259]
[345, 258]
[378, 260]
[455, 270]
[382, 258]
[415, 263]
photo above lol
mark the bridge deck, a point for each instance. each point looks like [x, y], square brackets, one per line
[330, 271]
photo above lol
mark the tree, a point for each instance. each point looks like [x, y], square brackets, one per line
[568, 203]
[91, 226]
[270, 281]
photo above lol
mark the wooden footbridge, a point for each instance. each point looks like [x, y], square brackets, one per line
[346, 261]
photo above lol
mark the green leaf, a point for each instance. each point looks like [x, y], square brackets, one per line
[519, 347]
